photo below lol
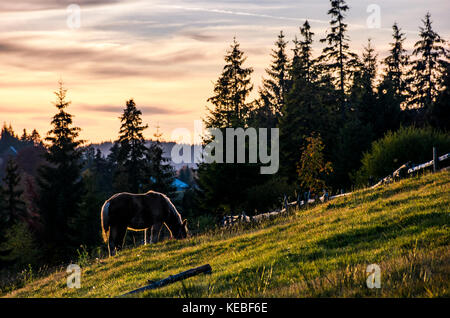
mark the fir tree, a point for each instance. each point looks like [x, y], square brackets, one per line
[231, 90]
[396, 63]
[35, 138]
[393, 89]
[131, 164]
[160, 171]
[363, 98]
[305, 111]
[275, 86]
[223, 184]
[303, 64]
[431, 59]
[60, 181]
[336, 56]
[439, 112]
[13, 208]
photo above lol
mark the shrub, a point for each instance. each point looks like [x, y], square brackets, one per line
[397, 148]
[20, 243]
[267, 196]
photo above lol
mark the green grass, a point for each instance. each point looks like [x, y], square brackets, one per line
[320, 252]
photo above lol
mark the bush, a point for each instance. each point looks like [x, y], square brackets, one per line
[397, 148]
[21, 246]
[267, 196]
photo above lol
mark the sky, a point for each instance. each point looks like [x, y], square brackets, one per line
[166, 55]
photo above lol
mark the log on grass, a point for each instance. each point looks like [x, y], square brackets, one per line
[173, 278]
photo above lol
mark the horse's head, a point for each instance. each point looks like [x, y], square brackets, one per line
[182, 231]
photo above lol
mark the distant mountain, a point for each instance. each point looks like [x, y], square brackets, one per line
[167, 150]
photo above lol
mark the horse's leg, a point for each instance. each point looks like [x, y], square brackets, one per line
[120, 237]
[112, 241]
[116, 239]
[145, 237]
[156, 229]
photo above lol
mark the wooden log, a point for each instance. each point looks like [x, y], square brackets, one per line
[173, 278]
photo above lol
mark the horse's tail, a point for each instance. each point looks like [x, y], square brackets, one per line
[105, 221]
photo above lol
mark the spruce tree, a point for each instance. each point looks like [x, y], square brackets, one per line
[305, 111]
[223, 184]
[428, 67]
[161, 173]
[393, 89]
[303, 64]
[362, 97]
[363, 120]
[131, 163]
[275, 86]
[396, 63]
[60, 181]
[231, 90]
[336, 56]
[439, 113]
[13, 208]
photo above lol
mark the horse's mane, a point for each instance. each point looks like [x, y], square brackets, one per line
[172, 207]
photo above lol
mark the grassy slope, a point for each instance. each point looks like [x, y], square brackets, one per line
[323, 251]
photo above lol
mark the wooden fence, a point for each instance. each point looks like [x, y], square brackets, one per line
[403, 171]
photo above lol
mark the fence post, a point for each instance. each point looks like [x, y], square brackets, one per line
[435, 160]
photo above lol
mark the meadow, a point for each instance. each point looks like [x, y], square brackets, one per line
[322, 251]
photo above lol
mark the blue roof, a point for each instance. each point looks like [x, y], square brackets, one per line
[177, 183]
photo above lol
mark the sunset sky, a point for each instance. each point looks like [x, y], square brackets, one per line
[164, 54]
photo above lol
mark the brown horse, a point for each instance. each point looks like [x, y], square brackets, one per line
[139, 212]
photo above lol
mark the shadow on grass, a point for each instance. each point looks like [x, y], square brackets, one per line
[411, 224]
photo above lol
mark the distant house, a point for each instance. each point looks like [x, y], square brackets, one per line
[177, 184]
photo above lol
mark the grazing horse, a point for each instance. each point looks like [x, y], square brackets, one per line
[139, 212]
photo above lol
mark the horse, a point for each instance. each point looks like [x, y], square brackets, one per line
[139, 212]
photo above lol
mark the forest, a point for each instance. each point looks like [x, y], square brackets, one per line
[345, 121]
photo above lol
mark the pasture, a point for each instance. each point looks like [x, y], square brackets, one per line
[322, 251]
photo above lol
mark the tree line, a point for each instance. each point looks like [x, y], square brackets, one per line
[329, 106]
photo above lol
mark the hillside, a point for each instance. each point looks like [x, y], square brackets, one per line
[322, 251]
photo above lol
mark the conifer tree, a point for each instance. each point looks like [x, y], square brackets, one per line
[305, 111]
[230, 108]
[35, 138]
[439, 113]
[275, 86]
[131, 164]
[336, 56]
[393, 89]
[304, 66]
[223, 184]
[396, 63]
[161, 172]
[60, 180]
[363, 98]
[428, 67]
[13, 208]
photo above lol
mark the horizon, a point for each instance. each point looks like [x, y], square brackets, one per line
[165, 57]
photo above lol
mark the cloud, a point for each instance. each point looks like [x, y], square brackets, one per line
[103, 61]
[33, 5]
[146, 110]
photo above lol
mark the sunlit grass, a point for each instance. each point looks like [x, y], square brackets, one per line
[320, 252]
